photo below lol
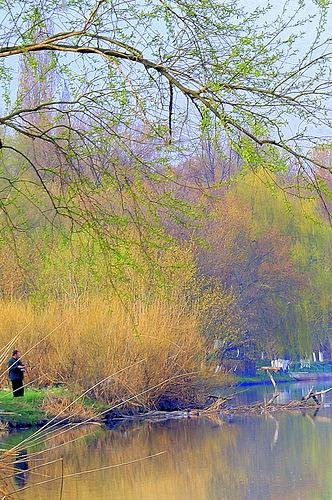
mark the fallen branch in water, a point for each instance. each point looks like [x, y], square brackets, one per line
[216, 406]
[260, 408]
[221, 404]
[314, 395]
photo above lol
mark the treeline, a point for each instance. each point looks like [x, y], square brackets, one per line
[252, 260]
[130, 252]
[273, 252]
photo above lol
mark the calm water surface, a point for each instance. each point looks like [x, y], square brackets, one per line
[281, 457]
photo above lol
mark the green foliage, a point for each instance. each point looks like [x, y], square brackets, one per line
[92, 200]
[29, 410]
[273, 252]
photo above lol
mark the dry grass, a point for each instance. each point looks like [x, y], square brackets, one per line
[67, 410]
[91, 341]
[3, 428]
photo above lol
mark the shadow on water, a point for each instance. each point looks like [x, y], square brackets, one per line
[266, 457]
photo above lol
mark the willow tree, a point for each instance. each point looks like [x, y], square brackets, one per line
[274, 254]
[137, 85]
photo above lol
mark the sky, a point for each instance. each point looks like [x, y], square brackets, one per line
[307, 10]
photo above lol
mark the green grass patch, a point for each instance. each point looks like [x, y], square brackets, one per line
[317, 367]
[25, 410]
[29, 409]
[262, 377]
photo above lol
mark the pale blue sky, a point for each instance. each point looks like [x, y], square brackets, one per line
[307, 10]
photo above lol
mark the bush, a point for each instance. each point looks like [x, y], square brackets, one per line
[157, 346]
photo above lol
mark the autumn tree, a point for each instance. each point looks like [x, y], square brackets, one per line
[273, 253]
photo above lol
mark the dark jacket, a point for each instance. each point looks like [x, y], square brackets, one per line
[15, 372]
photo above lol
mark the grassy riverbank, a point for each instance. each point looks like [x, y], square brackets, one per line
[40, 405]
[27, 410]
[262, 378]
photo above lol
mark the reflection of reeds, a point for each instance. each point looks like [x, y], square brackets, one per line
[6, 472]
[87, 471]
[165, 441]
[196, 451]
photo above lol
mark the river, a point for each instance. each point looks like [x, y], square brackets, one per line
[284, 456]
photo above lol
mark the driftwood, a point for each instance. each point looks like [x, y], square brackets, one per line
[315, 395]
[222, 407]
[221, 404]
[276, 394]
[259, 408]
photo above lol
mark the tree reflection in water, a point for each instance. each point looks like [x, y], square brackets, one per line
[248, 458]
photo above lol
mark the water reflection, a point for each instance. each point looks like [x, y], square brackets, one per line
[287, 391]
[252, 458]
[21, 468]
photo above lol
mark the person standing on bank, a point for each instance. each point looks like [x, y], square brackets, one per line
[16, 371]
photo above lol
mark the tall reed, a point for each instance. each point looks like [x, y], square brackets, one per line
[98, 337]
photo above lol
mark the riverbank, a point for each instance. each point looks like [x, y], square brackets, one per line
[262, 379]
[39, 406]
[316, 373]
